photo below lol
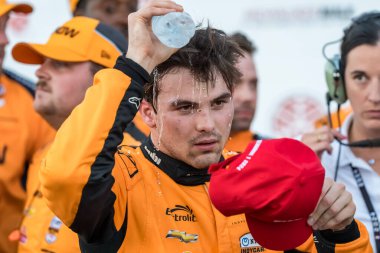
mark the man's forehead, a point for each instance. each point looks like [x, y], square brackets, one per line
[185, 88]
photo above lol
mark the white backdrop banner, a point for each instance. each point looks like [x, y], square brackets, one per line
[289, 35]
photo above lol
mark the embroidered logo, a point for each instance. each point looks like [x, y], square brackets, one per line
[153, 155]
[135, 101]
[181, 213]
[182, 236]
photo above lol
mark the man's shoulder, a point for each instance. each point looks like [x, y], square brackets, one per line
[22, 81]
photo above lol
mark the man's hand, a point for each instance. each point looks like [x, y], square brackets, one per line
[320, 140]
[335, 209]
[143, 46]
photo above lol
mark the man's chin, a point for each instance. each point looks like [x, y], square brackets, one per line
[205, 160]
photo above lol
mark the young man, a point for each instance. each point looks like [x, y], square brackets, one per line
[244, 97]
[22, 132]
[69, 60]
[155, 198]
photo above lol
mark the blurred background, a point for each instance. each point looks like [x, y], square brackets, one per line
[289, 35]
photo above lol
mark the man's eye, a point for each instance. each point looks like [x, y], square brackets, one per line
[219, 104]
[60, 64]
[186, 108]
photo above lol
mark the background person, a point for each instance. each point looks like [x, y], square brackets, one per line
[357, 167]
[22, 132]
[244, 97]
[67, 67]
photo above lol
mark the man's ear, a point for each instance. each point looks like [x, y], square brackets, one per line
[148, 114]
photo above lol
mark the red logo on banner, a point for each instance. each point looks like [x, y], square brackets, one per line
[296, 115]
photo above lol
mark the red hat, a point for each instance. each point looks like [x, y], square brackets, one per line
[277, 184]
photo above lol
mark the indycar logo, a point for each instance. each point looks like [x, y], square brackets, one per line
[182, 236]
[249, 245]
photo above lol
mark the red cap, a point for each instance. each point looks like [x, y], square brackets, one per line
[277, 184]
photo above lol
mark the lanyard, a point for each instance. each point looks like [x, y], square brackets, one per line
[375, 221]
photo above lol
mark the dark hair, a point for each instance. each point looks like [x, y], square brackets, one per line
[210, 52]
[364, 29]
[244, 43]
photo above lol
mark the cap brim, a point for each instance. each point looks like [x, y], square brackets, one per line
[23, 8]
[279, 235]
[35, 53]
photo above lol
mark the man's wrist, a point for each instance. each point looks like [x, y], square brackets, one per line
[144, 61]
[348, 234]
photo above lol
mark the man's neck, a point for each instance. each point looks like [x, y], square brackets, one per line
[54, 121]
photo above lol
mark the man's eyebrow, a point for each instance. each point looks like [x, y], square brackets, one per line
[182, 102]
[226, 95]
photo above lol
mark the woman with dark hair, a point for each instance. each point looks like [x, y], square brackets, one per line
[352, 156]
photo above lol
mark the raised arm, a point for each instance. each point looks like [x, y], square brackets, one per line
[77, 175]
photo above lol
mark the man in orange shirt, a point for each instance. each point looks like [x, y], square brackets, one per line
[244, 97]
[154, 198]
[22, 132]
[69, 60]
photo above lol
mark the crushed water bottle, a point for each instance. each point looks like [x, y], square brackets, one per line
[174, 29]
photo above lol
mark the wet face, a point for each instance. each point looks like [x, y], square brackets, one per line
[193, 119]
[61, 87]
[3, 37]
[245, 93]
[111, 12]
[362, 79]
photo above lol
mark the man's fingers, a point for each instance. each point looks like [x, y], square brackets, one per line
[158, 8]
[324, 202]
[336, 213]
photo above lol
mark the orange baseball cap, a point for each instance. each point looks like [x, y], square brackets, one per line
[16, 7]
[78, 40]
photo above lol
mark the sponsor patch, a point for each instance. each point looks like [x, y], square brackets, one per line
[182, 236]
[181, 213]
[249, 245]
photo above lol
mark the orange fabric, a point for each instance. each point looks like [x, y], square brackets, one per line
[7, 7]
[162, 216]
[239, 141]
[75, 41]
[41, 230]
[22, 132]
[343, 113]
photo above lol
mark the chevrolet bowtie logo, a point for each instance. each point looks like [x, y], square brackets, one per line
[182, 236]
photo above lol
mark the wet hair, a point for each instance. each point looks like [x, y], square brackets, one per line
[364, 30]
[210, 52]
[244, 43]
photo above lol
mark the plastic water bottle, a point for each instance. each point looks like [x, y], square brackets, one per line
[174, 29]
